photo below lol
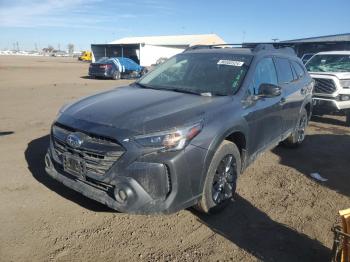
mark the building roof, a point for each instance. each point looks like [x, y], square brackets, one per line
[327, 38]
[172, 40]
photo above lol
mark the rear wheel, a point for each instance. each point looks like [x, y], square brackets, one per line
[220, 183]
[298, 136]
[116, 75]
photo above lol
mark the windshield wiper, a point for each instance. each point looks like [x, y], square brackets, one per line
[166, 88]
[203, 93]
[219, 94]
[180, 90]
[144, 86]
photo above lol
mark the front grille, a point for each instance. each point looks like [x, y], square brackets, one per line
[99, 153]
[324, 85]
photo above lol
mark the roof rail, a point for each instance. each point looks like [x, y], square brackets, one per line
[277, 46]
[261, 47]
[254, 47]
[194, 47]
[270, 46]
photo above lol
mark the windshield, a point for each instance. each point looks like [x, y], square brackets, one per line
[329, 63]
[200, 73]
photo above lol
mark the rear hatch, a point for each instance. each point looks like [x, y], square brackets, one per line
[99, 68]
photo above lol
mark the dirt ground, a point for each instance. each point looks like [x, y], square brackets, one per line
[280, 213]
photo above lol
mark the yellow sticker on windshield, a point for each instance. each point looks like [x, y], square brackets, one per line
[230, 62]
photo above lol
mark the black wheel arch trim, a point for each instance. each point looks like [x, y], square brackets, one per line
[216, 142]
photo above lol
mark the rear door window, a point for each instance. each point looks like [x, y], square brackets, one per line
[295, 77]
[284, 70]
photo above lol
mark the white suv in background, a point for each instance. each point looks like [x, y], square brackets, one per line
[331, 72]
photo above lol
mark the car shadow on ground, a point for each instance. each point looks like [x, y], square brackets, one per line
[254, 231]
[326, 154]
[90, 78]
[328, 120]
[6, 133]
[34, 155]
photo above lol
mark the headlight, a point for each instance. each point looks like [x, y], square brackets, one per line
[172, 140]
[345, 83]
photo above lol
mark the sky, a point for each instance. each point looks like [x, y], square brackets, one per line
[39, 23]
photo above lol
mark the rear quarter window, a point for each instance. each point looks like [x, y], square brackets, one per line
[298, 69]
[284, 70]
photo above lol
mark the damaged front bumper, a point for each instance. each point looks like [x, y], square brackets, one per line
[155, 184]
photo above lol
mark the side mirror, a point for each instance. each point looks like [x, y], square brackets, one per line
[269, 90]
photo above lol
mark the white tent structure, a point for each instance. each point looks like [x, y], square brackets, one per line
[147, 50]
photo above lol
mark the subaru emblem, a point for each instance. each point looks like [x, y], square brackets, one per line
[74, 140]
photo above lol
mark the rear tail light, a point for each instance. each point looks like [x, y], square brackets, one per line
[106, 66]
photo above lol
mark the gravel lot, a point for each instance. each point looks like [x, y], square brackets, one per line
[280, 213]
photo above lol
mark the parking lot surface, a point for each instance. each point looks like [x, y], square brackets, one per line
[280, 212]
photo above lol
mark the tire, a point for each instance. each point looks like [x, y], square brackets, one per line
[116, 75]
[220, 182]
[298, 136]
[347, 121]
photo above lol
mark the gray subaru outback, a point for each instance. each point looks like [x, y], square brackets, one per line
[181, 135]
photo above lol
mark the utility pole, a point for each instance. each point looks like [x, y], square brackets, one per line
[17, 46]
[243, 36]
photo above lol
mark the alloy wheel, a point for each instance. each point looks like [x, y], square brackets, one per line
[224, 182]
[302, 128]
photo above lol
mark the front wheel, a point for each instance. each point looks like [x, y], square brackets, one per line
[298, 136]
[220, 183]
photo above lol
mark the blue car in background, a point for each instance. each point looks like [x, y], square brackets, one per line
[116, 68]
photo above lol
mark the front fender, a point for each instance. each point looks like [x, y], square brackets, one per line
[216, 142]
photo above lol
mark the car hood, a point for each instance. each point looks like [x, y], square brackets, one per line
[339, 75]
[139, 110]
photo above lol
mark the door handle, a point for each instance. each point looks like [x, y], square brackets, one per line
[282, 101]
